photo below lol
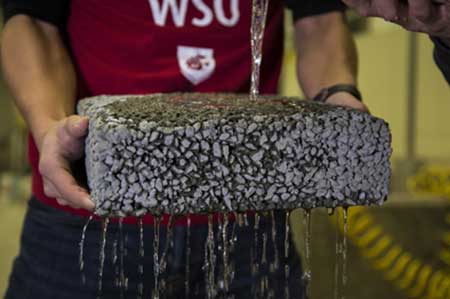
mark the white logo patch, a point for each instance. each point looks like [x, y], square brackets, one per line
[196, 64]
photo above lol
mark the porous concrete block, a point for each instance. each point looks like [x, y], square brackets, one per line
[200, 153]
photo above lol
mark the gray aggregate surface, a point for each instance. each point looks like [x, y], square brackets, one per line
[201, 153]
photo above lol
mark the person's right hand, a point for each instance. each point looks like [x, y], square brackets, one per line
[428, 16]
[64, 143]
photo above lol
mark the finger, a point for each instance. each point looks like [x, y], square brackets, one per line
[364, 108]
[69, 147]
[69, 190]
[421, 10]
[76, 126]
[71, 136]
[441, 25]
[355, 4]
[363, 7]
[62, 202]
[387, 9]
[50, 189]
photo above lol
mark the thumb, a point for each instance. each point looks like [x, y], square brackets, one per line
[76, 126]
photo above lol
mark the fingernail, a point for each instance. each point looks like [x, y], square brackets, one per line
[81, 119]
[90, 203]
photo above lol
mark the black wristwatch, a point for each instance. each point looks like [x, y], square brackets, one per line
[325, 93]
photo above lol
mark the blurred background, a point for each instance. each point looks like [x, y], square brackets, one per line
[401, 250]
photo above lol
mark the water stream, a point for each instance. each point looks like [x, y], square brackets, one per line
[121, 260]
[115, 258]
[140, 287]
[286, 255]
[156, 265]
[188, 256]
[344, 251]
[233, 241]
[226, 252]
[337, 257]
[258, 24]
[340, 273]
[276, 259]
[255, 264]
[81, 256]
[307, 273]
[105, 223]
[210, 260]
[166, 249]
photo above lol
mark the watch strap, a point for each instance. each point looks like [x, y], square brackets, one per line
[325, 93]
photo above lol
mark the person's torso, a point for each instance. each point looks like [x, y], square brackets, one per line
[148, 46]
[145, 46]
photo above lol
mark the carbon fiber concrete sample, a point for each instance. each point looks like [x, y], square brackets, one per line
[199, 153]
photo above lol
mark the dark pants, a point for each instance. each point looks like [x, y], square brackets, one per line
[48, 264]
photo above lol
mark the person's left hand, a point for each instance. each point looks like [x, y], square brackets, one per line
[347, 100]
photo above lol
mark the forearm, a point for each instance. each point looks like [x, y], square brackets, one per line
[326, 53]
[39, 73]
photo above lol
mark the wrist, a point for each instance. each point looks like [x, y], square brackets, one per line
[40, 128]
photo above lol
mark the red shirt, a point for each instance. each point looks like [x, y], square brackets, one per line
[149, 46]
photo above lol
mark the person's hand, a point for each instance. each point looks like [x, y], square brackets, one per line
[64, 143]
[428, 16]
[347, 100]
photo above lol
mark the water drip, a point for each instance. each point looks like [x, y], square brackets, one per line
[276, 261]
[258, 24]
[307, 273]
[344, 251]
[188, 256]
[81, 256]
[226, 248]
[121, 262]
[105, 223]
[255, 264]
[286, 255]
[169, 232]
[210, 260]
[337, 259]
[140, 289]
[156, 269]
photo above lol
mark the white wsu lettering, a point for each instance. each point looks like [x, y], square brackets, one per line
[178, 9]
